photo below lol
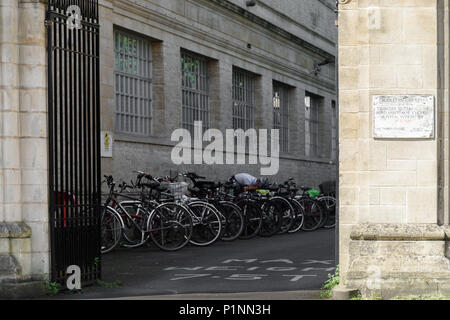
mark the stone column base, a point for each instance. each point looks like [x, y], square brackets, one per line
[15, 252]
[342, 293]
[22, 290]
[15, 258]
[390, 260]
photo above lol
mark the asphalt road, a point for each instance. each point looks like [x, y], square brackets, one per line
[291, 262]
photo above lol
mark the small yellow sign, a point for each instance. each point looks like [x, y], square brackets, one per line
[107, 144]
[106, 140]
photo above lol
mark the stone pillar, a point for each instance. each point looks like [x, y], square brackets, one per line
[297, 121]
[24, 243]
[10, 207]
[158, 80]
[391, 211]
[107, 80]
[325, 114]
[33, 131]
[11, 191]
[263, 108]
[172, 95]
[221, 75]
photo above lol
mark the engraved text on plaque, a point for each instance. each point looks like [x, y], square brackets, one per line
[403, 116]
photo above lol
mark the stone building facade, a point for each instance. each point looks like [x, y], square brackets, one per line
[394, 196]
[272, 46]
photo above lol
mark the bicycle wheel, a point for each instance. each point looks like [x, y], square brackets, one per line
[298, 216]
[170, 226]
[135, 222]
[111, 229]
[252, 219]
[325, 213]
[272, 214]
[207, 225]
[313, 214]
[287, 214]
[329, 205]
[232, 220]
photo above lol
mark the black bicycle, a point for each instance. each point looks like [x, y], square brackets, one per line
[168, 224]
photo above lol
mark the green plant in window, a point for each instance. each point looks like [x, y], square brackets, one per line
[126, 54]
[135, 54]
[188, 67]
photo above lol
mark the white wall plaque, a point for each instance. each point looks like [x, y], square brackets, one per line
[106, 140]
[403, 116]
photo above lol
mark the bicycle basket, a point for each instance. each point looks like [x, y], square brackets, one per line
[178, 189]
[328, 187]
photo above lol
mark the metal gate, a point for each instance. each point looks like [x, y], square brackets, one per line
[74, 138]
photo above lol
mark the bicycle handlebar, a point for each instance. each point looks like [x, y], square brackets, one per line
[191, 175]
[141, 175]
[109, 179]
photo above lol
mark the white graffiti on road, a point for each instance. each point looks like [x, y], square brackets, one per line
[299, 277]
[278, 260]
[310, 261]
[236, 268]
[239, 260]
[249, 265]
[254, 260]
[239, 276]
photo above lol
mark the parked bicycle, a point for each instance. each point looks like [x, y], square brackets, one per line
[133, 221]
[172, 212]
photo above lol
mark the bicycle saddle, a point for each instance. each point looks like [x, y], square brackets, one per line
[194, 190]
[162, 188]
[194, 176]
[283, 191]
[151, 184]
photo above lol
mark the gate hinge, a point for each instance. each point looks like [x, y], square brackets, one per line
[48, 23]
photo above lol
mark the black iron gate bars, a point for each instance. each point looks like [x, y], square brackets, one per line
[74, 138]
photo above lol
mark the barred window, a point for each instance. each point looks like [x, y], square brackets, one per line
[312, 124]
[243, 99]
[195, 91]
[133, 83]
[281, 113]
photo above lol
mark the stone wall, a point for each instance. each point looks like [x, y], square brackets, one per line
[134, 155]
[23, 141]
[313, 21]
[392, 47]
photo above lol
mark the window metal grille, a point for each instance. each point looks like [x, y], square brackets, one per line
[281, 114]
[243, 99]
[195, 90]
[312, 125]
[133, 83]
